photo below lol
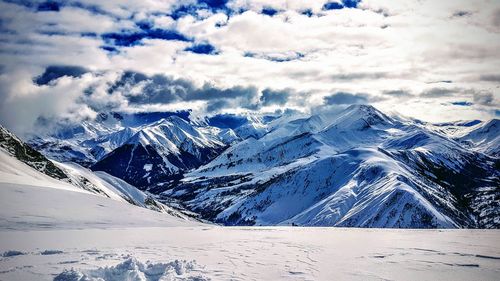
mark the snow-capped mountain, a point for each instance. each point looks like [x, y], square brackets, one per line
[14, 147]
[162, 151]
[89, 141]
[39, 170]
[352, 167]
[484, 137]
[358, 167]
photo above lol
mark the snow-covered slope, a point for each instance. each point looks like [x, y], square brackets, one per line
[484, 137]
[357, 168]
[30, 199]
[160, 151]
[23, 165]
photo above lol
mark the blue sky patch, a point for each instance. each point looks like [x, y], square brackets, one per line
[462, 103]
[202, 48]
[54, 72]
[332, 6]
[48, 6]
[269, 11]
[133, 38]
[350, 3]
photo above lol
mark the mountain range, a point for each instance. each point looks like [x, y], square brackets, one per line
[357, 167]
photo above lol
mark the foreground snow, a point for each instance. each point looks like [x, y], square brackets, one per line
[265, 253]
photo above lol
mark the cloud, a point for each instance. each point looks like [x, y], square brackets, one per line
[459, 14]
[490, 77]
[483, 97]
[400, 93]
[358, 76]
[22, 102]
[496, 17]
[139, 88]
[438, 92]
[279, 97]
[260, 44]
[342, 98]
[276, 57]
[54, 72]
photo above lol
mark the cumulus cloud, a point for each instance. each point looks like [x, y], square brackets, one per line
[249, 55]
[490, 77]
[438, 92]
[484, 98]
[279, 97]
[342, 98]
[399, 93]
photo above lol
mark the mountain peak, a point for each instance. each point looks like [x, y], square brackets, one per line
[360, 117]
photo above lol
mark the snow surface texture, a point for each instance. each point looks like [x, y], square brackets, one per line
[256, 253]
[133, 270]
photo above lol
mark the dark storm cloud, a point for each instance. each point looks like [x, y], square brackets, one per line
[438, 92]
[279, 97]
[483, 98]
[161, 89]
[54, 72]
[459, 14]
[496, 18]
[358, 76]
[341, 98]
[397, 93]
[490, 77]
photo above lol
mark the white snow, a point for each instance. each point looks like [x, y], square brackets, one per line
[50, 230]
[15, 171]
[148, 167]
[32, 200]
[132, 269]
[254, 253]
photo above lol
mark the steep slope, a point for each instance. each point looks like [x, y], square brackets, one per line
[68, 176]
[65, 143]
[484, 138]
[362, 169]
[18, 149]
[161, 151]
[89, 141]
[33, 200]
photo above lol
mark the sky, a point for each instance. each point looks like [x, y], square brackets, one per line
[432, 60]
